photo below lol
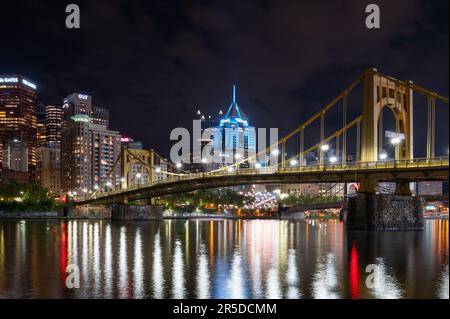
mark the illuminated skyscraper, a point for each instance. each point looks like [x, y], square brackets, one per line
[53, 117]
[18, 117]
[41, 129]
[88, 148]
[236, 138]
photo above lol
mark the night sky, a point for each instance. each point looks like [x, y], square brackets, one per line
[154, 63]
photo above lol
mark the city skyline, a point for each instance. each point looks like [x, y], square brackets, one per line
[258, 67]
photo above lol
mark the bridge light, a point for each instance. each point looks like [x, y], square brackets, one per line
[275, 152]
[383, 156]
[395, 141]
[293, 162]
[178, 165]
[325, 147]
[258, 165]
[230, 169]
[333, 159]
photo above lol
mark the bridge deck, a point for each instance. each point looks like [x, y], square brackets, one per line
[403, 170]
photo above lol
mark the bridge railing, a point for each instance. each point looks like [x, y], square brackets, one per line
[349, 166]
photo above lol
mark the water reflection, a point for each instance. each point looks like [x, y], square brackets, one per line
[220, 259]
[178, 289]
[157, 275]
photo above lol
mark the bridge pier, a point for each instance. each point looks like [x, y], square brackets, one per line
[136, 212]
[400, 211]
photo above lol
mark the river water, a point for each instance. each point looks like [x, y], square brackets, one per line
[220, 259]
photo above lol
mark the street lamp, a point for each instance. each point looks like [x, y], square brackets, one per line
[293, 162]
[395, 140]
[325, 147]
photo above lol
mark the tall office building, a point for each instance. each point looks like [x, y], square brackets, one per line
[89, 150]
[105, 149]
[40, 125]
[18, 119]
[100, 116]
[53, 117]
[236, 137]
[48, 170]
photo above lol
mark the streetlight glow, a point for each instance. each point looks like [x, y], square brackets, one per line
[325, 147]
[395, 141]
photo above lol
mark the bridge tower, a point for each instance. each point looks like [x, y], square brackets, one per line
[379, 92]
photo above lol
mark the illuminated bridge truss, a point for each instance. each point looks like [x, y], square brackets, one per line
[379, 91]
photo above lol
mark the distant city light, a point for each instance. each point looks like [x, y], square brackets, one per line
[204, 160]
[237, 156]
[95, 186]
[122, 179]
[325, 147]
[158, 170]
[275, 152]
[109, 184]
[293, 162]
[85, 190]
[383, 156]
[258, 165]
[333, 159]
[138, 175]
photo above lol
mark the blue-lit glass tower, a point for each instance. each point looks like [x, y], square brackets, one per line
[236, 137]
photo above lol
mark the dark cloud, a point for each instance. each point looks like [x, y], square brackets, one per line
[154, 63]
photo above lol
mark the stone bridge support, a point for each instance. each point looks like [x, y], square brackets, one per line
[371, 211]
